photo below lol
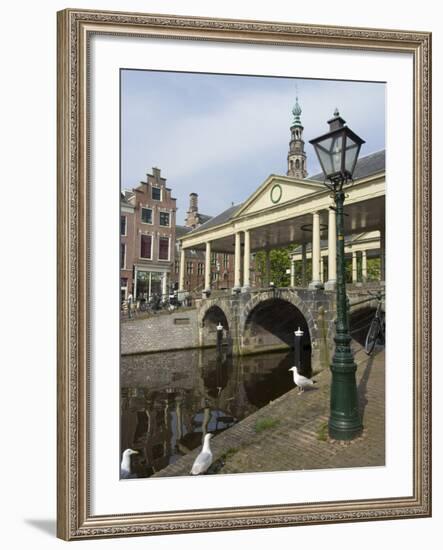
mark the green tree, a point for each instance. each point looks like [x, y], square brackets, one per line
[299, 272]
[280, 262]
[373, 268]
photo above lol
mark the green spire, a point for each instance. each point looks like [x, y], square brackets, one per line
[296, 111]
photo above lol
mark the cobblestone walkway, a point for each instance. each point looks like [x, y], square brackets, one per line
[296, 438]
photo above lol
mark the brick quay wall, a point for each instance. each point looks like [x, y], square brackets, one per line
[161, 332]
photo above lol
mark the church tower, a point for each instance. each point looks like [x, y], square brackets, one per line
[296, 154]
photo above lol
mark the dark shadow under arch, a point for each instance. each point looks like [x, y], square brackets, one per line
[213, 316]
[273, 322]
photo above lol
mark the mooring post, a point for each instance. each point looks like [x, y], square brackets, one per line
[219, 338]
[297, 349]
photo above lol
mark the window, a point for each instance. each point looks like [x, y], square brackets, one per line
[164, 218]
[123, 225]
[122, 255]
[213, 258]
[146, 215]
[177, 266]
[156, 194]
[201, 268]
[145, 246]
[163, 248]
[225, 261]
[189, 268]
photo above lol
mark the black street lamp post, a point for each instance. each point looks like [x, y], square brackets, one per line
[337, 152]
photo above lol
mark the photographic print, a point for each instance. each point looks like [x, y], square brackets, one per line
[229, 275]
[252, 274]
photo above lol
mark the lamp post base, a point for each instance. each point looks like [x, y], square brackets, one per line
[345, 429]
[344, 421]
[344, 433]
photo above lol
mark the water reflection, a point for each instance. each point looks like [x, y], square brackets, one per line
[170, 400]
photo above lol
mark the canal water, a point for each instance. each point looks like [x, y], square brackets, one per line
[169, 400]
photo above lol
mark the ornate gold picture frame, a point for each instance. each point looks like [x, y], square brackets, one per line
[76, 519]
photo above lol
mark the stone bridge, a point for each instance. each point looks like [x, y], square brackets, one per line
[265, 320]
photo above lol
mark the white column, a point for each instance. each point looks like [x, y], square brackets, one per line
[354, 267]
[247, 262]
[237, 262]
[315, 250]
[208, 267]
[181, 277]
[303, 264]
[164, 287]
[332, 251]
[364, 266]
[292, 272]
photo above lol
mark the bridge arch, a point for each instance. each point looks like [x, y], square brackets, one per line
[210, 315]
[285, 296]
[315, 317]
[213, 316]
[270, 322]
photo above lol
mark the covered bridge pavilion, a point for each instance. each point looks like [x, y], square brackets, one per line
[286, 211]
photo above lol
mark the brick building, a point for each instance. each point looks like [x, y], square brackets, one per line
[127, 243]
[147, 238]
[149, 244]
[222, 265]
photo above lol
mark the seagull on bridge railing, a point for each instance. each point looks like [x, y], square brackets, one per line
[301, 381]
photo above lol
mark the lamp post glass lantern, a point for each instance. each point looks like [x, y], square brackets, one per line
[337, 152]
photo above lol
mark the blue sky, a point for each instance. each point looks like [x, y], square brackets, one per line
[221, 135]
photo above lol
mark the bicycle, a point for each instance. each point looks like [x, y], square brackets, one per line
[376, 332]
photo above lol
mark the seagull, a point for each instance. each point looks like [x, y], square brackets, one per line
[301, 381]
[204, 459]
[125, 465]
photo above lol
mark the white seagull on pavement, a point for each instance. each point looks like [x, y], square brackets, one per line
[204, 459]
[125, 465]
[301, 381]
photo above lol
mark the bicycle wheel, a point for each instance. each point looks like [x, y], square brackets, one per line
[371, 337]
